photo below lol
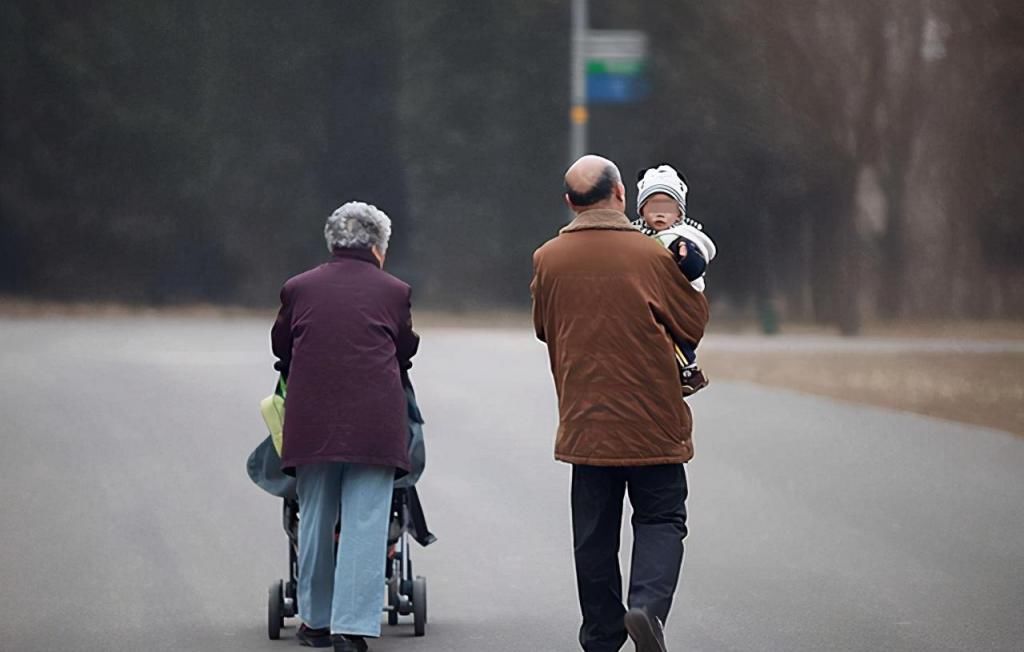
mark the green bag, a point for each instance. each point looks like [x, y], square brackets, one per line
[272, 410]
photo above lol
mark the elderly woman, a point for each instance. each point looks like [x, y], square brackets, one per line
[343, 336]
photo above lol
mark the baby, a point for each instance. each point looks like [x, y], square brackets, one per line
[661, 203]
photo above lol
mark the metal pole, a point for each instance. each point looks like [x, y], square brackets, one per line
[578, 111]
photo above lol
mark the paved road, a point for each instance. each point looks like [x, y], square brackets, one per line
[127, 521]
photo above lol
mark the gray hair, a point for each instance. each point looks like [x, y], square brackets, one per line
[356, 225]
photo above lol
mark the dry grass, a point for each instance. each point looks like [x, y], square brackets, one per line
[957, 329]
[27, 309]
[986, 389]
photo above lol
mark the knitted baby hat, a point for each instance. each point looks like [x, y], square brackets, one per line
[665, 179]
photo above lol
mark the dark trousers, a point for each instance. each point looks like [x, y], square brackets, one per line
[689, 353]
[658, 496]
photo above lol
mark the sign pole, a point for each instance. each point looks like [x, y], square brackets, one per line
[578, 111]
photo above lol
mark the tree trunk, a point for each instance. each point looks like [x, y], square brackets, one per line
[848, 278]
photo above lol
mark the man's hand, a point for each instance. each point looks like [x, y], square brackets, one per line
[677, 248]
[688, 258]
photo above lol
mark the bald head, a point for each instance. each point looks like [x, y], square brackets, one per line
[594, 182]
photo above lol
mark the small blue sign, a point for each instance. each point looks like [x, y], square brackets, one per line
[611, 88]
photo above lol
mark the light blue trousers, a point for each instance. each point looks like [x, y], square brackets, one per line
[347, 593]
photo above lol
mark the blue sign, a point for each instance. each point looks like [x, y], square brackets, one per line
[616, 88]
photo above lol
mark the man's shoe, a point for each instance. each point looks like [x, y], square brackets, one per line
[347, 643]
[313, 637]
[645, 630]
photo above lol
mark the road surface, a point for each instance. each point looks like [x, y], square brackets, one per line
[128, 522]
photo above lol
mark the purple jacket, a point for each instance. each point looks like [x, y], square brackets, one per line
[342, 338]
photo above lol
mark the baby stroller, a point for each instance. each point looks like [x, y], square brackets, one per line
[406, 593]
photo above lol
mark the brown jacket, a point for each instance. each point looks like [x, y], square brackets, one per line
[609, 302]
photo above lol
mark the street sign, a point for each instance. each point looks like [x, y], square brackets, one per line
[615, 44]
[616, 62]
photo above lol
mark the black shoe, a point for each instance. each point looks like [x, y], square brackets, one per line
[313, 637]
[693, 380]
[645, 630]
[347, 643]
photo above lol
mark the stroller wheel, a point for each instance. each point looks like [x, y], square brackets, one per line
[291, 605]
[419, 606]
[275, 610]
[393, 601]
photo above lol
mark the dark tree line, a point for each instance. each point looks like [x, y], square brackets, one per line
[175, 152]
[854, 160]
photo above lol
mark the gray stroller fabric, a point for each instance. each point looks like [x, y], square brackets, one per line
[417, 447]
[264, 467]
[264, 464]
